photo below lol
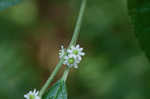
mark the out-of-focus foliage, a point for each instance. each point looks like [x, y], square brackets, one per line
[16, 63]
[140, 14]
[57, 91]
[30, 36]
[17, 67]
[8, 3]
[115, 67]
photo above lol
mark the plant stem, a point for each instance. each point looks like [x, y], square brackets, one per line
[65, 75]
[73, 42]
[78, 24]
[48, 82]
[76, 33]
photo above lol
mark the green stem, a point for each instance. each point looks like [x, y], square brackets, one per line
[76, 33]
[73, 42]
[65, 75]
[48, 82]
[78, 24]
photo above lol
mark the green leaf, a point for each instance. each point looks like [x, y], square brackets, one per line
[8, 3]
[57, 91]
[139, 10]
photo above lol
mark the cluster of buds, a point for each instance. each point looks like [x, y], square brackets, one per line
[72, 56]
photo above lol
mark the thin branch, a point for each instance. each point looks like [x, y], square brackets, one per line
[73, 42]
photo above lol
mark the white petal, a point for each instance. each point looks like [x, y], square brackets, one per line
[82, 53]
[76, 66]
[69, 51]
[80, 58]
[66, 57]
[30, 92]
[62, 47]
[36, 93]
[70, 56]
[25, 96]
[81, 49]
[74, 56]
[78, 46]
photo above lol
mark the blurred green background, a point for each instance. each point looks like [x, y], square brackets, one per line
[30, 37]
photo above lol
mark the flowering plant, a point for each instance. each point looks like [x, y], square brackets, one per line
[70, 57]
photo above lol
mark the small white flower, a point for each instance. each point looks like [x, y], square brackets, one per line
[73, 55]
[61, 52]
[77, 51]
[71, 61]
[32, 95]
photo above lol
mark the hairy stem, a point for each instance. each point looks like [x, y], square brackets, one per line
[73, 42]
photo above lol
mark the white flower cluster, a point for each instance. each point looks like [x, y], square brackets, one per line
[73, 55]
[72, 58]
[32, 95]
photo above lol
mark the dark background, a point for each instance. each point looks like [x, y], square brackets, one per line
[32, 32]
